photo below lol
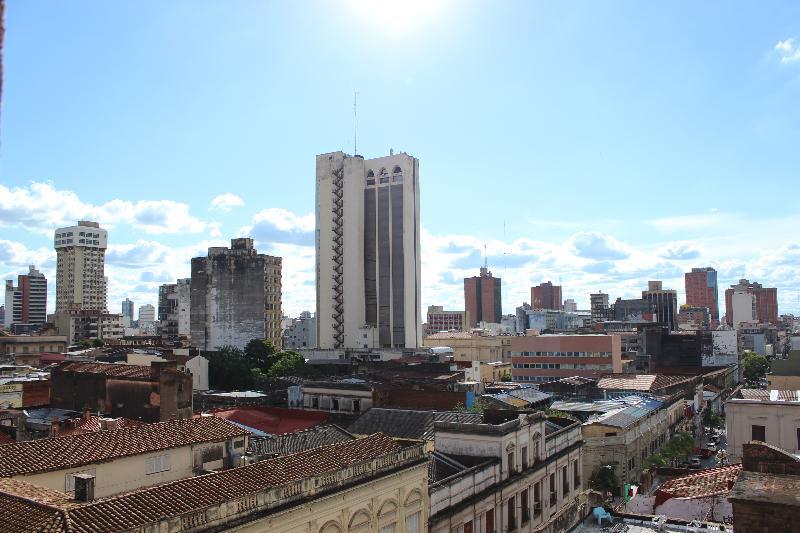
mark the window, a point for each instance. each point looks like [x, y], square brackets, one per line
[315, 402]
[490, 521]
[564, 481]
[412, 523]
[553, 496]
[467, 527]
[511, 518]
[156, 464]
[390, 528]
[798, 438]
[576, 476]
[759, 433]
[525, 456]
[526, 511]
[335, 404]
[510, 464]
[537, 499]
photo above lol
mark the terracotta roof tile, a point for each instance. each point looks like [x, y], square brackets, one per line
[639, 382]
[707, 482]
[74, 450]
[109, 369]
[77, 426]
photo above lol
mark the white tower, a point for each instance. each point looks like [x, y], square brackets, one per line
[368, 252]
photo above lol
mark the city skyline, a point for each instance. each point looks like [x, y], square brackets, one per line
[555, 195]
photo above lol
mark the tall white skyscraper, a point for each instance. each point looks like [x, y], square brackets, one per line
[80, 264]
[368, 252]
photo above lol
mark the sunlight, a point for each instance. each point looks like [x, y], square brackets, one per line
[399, 17]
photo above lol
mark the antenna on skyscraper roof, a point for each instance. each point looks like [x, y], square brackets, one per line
[485, 256]
[355, 122]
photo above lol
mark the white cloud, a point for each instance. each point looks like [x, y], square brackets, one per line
[41, 207]
[276, 225]
[788, 51]
[226, 202]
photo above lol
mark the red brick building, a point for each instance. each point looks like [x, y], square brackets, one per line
[482, 300]
[702, 291]
[766, 305]
[546, 296]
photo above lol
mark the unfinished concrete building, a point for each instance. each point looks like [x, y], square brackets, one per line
[235, 297]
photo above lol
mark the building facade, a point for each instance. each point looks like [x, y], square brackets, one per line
[702, 290]
[552, 357]
[80, 267]
[174, 305]
[128, 309]
[368, 252]
[474, 346]
[751, 302]
[546, 296]
[27, 302]
[599, 308]
[769, 416]
[482, 298]
[235, 297]
[300, 332]
[664, 303]
[441, 320]
[147, 313]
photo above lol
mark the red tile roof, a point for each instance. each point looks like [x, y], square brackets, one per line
[273, 420]
[5, 438]
[640, 382]
[25, 507]
[109, 369]
[704, 483]
[77, 426]
[766, 395]
[58, 453]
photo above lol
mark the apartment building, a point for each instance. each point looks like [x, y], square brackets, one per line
[26, 304]
[441, 320]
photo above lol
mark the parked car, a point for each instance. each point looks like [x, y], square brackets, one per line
[694, 463]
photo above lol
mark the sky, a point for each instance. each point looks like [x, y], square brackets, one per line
[597, 145]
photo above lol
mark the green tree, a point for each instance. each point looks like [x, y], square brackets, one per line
[228, 369]
[259, 354]
[654, 461]
[507, 376]
[604, 478]
[290, 364]
[713, 419]
[754, 367]
[97, 343]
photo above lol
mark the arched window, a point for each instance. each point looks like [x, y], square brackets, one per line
[397, 175]
[396, 170]
[331, 527]
[384, 176]
[360, 521]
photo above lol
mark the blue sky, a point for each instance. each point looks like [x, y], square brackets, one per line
[601, 144]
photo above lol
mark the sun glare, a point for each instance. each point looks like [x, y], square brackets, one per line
[399, 17]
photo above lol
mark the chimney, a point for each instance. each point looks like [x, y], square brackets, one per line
[84, 487]
[87, 414]
[54, 427]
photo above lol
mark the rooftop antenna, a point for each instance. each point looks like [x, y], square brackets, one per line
[355, 122]
[485, 257]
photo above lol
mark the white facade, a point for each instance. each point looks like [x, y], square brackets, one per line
[744, 307]
[80, 263]
[725, 349]
[779, 418]
[147, 313]
[368, 252]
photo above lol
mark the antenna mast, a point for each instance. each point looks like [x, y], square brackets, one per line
[355, 123]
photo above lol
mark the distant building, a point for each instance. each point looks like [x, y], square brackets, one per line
[2, 316]
[44, 341]
[750, 302]
[546, 296]
[80, 267]
[27, 302]
[664, 303]
[368, 252]
[128, 309]
[633, 311]
[570, 306]
[300, 332]
[694, 318]
[235, 297]
[441, 320]
[147, 313]
[599, 307]
[551, 357]
[546, 319]
[482, 298]
[174, 305]
[84, 324]
[701, 291]
[474, 346]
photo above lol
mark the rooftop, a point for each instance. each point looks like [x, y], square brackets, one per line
[768, 395]
[406, 423]
[25, 507]
[299, 441]
[630, 409]
[782, 489]
[271, 420]
[109, 369]
[706, 482]
[59, 453]
[640, 382]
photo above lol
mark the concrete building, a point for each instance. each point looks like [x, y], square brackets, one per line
[44, 341]
[147, 313]
[124, 460]
[353, 396]
[546, 296]
[694, 318]
[372, 484]
[570, 306]
[300, 332]
[484, 372]
[235, 297]
[702, 291]
[664, 303]
[770, 416]
[2, 316]
[128, 309]
[599, 307]
[515, 473]
[528, 318]
[85, 324]
[751, 302]
[27, 302]
[441, 320]
[473, 346]
[551, 357]
[482, 298]
[725, 350]
[174, 306]
[633, 311]
[196, 365]
[368, 252]
[80, 267]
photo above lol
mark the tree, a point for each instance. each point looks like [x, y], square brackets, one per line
[604, 479]
[754, 367]
[713, 419]
[290, 364]
[259, 354]
[654, 461]
[507, 376]
[97, 343]
[228, 369]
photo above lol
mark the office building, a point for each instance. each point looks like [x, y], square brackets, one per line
[147, 313]
[634, 310]
[368, 252]
[546, 296]
[80, 264]
[750, 302]
[552, 357]
[664, 303]
[128, 309]
[701, 291]
[441, 320]
[482, 298]
[27, 302]
[300, 332]
[599, 307]
[570, 306]
[235, 297]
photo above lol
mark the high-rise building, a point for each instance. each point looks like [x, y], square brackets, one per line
[173, 309]
[235, 297]
[750, 302]
[441, 320]
[127, 309]
[701, 290]
[570, 306]
[80, 262]
[147, 313]
[664, 303]
[368, 252]
[599, 306]
[546, 296]
[26, 304]
[300, 332]
[482, 298]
